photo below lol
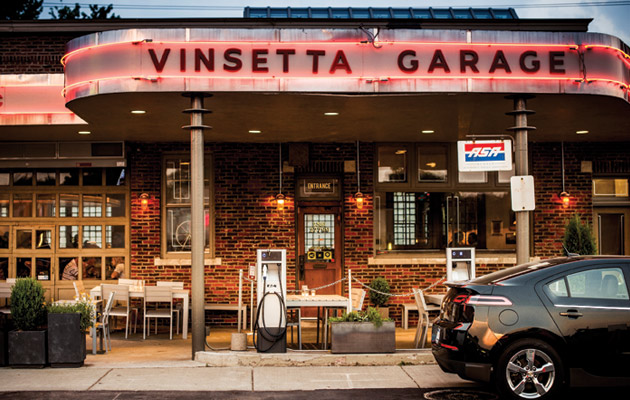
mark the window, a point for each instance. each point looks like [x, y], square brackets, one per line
[610, 187]
[601, 283]
[177, 188]
[436, 220]
[433, 205]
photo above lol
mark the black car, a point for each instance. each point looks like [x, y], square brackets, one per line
[533, 328]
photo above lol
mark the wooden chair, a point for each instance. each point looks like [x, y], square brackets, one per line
[103, 324]
[158, 295]
[423, 319]
[122, 296]
[177, 307]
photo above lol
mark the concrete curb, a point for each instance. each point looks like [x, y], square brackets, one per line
[295, 359]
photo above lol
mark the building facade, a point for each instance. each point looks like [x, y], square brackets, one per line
[95, 166]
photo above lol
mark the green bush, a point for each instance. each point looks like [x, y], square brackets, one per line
[578, 237]
[370, 315]
[27, 304]
[379, 299]
[83, 307]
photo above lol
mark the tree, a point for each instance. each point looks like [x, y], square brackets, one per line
[578, 237]
[96, 12]
[20, 9]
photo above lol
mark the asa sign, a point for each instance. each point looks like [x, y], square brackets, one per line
[484, 155]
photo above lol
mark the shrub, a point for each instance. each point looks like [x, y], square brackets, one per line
[370, 315]
[83, 306]
[379, 285]
[27, 304]
[578, 237]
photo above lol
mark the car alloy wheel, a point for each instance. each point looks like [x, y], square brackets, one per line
[530, 373]
[531, 369]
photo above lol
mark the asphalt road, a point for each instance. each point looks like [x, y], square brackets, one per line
[373, 394]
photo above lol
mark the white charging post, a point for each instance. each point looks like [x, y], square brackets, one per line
[271, 318]
[460, 264]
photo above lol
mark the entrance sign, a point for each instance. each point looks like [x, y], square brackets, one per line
[484, 155]
[522, 192]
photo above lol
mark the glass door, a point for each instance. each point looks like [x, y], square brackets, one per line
[33, 255]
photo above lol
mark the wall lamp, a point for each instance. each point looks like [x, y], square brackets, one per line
[144, 200]
[565, 198]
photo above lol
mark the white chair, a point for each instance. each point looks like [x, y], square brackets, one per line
[79, 289]
[177, 306]
[122, 296]
[131, 282]
[294, 320]
[423, 319]
[103, 324]
[158, 295]
[5, 293]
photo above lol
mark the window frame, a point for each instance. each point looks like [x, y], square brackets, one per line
[209, 206]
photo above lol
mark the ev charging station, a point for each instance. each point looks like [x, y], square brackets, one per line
[271, 318]
[460, 264]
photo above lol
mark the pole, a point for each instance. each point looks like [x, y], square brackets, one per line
[197, 219]
[349, 308]
[520, 129]
[240, 298]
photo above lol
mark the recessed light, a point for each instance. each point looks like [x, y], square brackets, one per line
[581, 132]
[329, 114]
[254, 131]
[85, 133]
[401, 152]
[428, 131]
[138, 112]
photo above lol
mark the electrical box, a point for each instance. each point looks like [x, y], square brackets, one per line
[271, 273]
[460, 264]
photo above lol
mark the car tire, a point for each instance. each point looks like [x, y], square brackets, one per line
[529, 369]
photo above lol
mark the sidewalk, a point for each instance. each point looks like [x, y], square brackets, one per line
[200, 378]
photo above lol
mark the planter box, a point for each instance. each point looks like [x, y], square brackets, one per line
[363, 337]
[4, 339]
[27, 349]
[66, 342]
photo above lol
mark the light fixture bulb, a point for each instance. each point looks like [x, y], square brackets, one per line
[358, 197]
[280, 201]
[566, 199]
[144, 200]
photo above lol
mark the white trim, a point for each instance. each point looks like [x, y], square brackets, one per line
[183, 261]
[593, 307]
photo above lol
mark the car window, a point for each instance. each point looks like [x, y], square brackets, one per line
[557, 288]
[601, 283]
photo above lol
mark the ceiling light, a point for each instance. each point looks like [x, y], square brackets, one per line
[254, 131]
[329, 114]
[428, 131]
[85, 133]
[138, 112]
[581, 132]
[401, 152]
[431, 164]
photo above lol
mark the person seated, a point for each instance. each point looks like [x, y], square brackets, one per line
[71, 270]
[119, 269]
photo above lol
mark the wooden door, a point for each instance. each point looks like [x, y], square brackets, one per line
[612, 230]
[320, 249]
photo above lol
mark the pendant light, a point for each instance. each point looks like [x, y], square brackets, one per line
[358, 196]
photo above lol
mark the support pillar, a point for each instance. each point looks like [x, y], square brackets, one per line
[521, 129]
[197, 219]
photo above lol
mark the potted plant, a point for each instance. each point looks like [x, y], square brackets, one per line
[67, 325]
[362, 332]
[379, 295]
[27, 343]
[578, 237]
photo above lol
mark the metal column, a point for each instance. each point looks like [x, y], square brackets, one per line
[520, 129]
[196, 128]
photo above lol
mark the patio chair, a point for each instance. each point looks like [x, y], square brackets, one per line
[79, 289]
[103, 324]
[5, 293]
[423, 319]
[158, 295]
[177, 307]
[123, 307]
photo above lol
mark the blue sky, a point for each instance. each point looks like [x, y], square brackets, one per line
[609, 17]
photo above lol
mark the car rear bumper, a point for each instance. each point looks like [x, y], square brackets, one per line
[466, 370]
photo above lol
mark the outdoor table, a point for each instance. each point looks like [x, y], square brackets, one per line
[326, 301]
[137, 292]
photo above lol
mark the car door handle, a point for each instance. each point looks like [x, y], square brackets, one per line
[571, 314]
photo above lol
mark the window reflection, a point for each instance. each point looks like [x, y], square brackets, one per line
[45, 205]
[392, 164]
[22, 205]
[92, 205]
[23, 267]
[69, 205]
[68, 237]
[42, 269]
[4, 268]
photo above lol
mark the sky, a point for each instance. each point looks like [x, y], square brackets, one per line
[609, 16]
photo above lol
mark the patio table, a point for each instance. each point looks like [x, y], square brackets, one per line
[137, 292]
[326, 301]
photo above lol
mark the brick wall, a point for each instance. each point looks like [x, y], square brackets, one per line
[33, 53]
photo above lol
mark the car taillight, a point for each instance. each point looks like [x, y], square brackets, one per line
[482, 300]
[462, 298]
